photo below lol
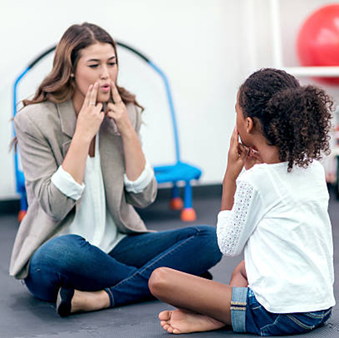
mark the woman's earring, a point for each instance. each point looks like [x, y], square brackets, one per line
[72, 75]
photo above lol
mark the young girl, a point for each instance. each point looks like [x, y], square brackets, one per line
[82, 243]
[276, 211]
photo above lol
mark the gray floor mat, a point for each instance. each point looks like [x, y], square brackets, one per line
[21, 315]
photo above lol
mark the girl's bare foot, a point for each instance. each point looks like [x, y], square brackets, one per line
[182, 321]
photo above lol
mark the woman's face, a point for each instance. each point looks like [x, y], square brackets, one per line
[97, 63]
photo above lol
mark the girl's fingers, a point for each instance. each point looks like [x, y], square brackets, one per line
[234, 136]
[242, 151]
[235, 139]
[115, 93]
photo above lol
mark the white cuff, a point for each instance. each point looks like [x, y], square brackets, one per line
[223, 214]
[141, 182]
[65, 182]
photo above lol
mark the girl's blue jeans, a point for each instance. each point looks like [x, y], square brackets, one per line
[70, 261]
[248, 315]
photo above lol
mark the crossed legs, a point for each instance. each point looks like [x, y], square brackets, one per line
[202, 305]
[101, 280]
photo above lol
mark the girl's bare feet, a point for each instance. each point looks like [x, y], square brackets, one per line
[182, 321]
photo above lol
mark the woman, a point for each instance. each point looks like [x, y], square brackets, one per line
[81, 241]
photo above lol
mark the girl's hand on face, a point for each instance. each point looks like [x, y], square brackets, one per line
[90, 116]
[253, 157]
[236, 157]
[118, 112]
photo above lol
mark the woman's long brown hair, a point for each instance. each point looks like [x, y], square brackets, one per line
[59, 86]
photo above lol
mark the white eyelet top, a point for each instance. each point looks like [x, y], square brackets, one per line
[281, 221]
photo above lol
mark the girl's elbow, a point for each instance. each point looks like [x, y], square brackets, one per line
[228, 253]
[227, 249]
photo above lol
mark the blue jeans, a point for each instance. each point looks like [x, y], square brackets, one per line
[70, 261]
[248, 315]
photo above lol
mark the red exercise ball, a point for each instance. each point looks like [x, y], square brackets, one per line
[318, 40]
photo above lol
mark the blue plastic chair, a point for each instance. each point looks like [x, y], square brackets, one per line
[171, 173]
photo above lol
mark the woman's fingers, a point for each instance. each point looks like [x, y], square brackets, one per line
[115, 109]
[93, 95]
[115, 93]
[98, 108]
[87, 97]
[110, 107]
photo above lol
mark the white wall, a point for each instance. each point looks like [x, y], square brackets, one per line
[204, 47]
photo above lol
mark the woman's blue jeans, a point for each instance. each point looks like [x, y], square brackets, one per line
[70, 261]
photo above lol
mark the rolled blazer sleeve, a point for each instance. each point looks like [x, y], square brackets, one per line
[39, 165]
[141, 182]
[65, 182]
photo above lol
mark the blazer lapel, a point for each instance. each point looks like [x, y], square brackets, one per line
[67, 121]
[65, 147]
[112, 167]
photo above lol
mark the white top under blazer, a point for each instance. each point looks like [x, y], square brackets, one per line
[93, 220]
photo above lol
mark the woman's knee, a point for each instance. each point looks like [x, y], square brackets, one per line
[65, 241]
[62, 245]
[208, 231]
[58, 253]
[210, 243]
[51, 264]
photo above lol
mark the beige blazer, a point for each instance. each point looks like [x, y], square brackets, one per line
[44, 132]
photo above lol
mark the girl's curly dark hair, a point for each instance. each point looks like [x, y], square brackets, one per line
[294, 118]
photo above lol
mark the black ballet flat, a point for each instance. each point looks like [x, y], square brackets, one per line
[207, 275]
[64, 302]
